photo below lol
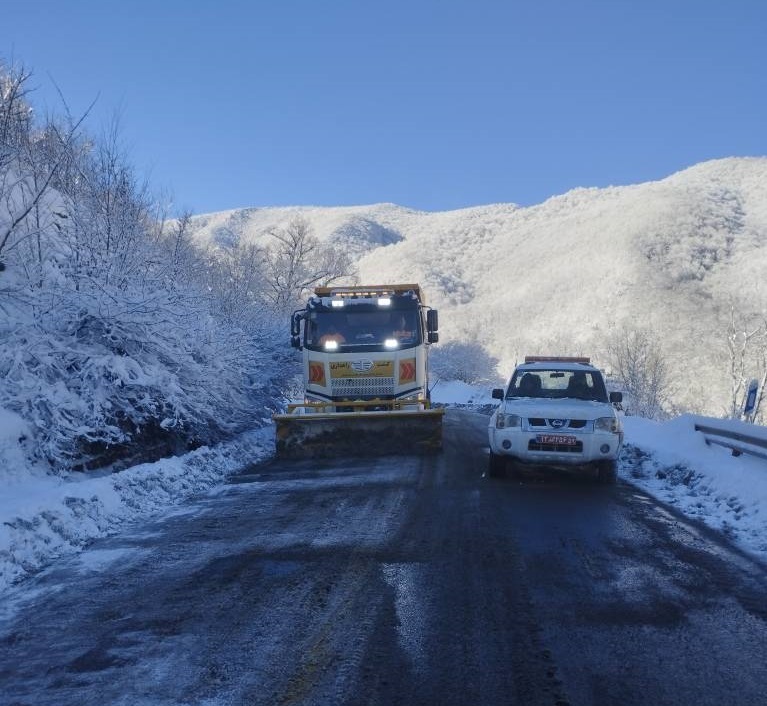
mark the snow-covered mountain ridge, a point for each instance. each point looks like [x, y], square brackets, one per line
[669, 257]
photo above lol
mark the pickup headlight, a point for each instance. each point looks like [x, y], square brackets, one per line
[608, 424]
[507, 421]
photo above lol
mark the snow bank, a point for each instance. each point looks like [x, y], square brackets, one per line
[671, 461]
[46, 516]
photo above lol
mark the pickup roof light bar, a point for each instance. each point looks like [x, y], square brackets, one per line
[556, 358]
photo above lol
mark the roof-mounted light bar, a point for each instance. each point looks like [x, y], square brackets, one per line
[370, 291]
[557, 359]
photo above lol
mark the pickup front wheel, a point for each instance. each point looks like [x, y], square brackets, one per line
[496, 465]
[606, 472]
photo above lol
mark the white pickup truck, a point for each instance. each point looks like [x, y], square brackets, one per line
[556, 413]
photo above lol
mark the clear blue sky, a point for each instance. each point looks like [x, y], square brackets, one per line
[433, 105]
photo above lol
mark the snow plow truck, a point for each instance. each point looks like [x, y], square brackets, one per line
[365, 367]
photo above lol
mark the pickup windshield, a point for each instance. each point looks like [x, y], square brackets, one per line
[558, 384]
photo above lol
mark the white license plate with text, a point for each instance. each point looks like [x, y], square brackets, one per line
[557, 439]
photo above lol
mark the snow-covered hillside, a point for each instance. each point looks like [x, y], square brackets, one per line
[566, 276]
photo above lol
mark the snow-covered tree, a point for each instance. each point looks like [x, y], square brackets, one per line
[118, 337]
[637, 362]
[745, 338]
[296, 261]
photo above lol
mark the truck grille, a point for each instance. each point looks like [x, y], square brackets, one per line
[354, 388]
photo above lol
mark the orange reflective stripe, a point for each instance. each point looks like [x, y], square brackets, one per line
[407, 370]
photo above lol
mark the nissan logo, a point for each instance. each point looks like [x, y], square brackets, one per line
[557, 423]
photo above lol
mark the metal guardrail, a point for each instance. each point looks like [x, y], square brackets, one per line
[733, 440]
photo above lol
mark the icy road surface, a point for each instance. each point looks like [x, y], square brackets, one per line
[396, 581]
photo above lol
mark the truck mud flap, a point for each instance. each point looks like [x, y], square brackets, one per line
[358, 434]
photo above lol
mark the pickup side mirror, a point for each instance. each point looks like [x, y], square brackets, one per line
[616, 397]
[497, 393]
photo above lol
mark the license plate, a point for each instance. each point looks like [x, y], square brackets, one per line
[558, 439]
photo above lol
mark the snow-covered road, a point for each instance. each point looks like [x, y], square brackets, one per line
[410, 580]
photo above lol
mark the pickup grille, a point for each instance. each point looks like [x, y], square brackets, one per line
[569, 423]
[577, 447]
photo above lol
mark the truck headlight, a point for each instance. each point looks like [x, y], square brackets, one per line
[507, 421]
[608, 424]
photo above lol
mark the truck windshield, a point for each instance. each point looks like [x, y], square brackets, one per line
[558, 384]
[353, 327]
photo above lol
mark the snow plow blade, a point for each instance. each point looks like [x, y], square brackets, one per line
[339, 434]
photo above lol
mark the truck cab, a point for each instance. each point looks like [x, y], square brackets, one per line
[366, 344]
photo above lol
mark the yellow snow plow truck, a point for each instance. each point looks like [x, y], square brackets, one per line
[365, 365]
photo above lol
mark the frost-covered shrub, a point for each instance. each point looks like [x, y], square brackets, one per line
[466, 362]
[94, 391]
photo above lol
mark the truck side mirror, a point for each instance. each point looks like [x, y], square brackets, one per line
[616, 397]
[433, 337]
[295, 323]
[497, 393]
[432, 321]
[295, 342]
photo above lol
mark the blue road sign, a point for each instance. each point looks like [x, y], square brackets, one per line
[753, 386]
